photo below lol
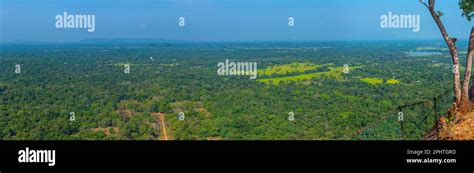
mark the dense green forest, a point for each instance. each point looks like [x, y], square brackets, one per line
[180, 81]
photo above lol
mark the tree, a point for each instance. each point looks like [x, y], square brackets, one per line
[461, 95]
[467, 7]
[467, 74]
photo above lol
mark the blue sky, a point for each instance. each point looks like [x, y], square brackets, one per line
[225, 20]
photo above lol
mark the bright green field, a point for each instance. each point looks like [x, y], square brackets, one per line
[393, 81]
[297, 67]
[372, 80]
[376, 81]
[334, 72]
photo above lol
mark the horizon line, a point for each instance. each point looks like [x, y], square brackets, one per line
[164, 40]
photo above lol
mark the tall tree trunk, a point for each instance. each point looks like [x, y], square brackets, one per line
[467, 75]
[452, 49]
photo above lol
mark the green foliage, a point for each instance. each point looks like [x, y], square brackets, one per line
[372, 81]
[289, 68]
[110, 105]
[439, 13]
[334, 72]
[393, 81]
[345, 115]
[467, 7]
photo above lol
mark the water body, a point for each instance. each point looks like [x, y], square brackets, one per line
[423, 53]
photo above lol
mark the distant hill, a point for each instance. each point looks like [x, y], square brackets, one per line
[132, 41]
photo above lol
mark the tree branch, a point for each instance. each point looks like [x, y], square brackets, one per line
[432, 4]
[452, 48]
[467, 75]
[426, 5]
[471, 42]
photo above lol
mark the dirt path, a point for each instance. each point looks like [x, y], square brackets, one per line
[162, 124]
[160, 117]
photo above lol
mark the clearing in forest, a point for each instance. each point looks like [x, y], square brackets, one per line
[297, 67]
[334, 72]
